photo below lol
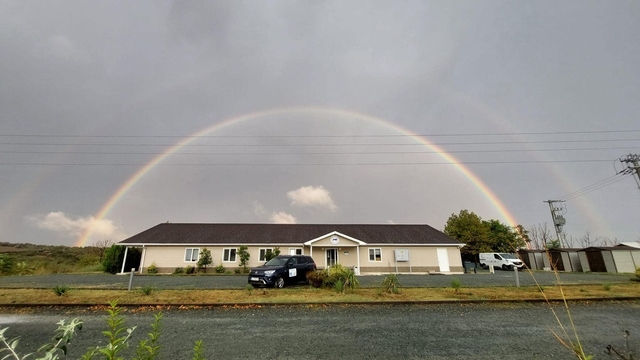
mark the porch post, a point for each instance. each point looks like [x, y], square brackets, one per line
[144, 252]
[358, 254]
[124, 261]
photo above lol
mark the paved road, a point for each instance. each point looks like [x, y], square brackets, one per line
[449, 331]
[106, 281]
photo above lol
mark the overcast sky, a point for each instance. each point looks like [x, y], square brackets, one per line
[536, 99]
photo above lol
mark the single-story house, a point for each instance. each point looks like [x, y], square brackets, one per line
[368, 249]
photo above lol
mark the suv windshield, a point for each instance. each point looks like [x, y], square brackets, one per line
[508, 256]
[277, 261]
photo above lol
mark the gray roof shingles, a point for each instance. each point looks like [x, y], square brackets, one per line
[247, 234]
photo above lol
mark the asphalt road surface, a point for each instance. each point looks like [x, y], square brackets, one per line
[447, 331]
[107, 281]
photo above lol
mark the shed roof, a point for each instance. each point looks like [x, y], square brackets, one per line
[247, 234]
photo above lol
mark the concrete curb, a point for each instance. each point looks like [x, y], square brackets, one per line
[342, 303]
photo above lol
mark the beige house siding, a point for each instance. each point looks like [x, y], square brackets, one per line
[422, 258]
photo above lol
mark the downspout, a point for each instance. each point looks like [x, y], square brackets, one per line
[124, 261]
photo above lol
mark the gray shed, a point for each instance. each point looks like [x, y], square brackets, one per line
[616, 259]
[533, 259]
[565, 259]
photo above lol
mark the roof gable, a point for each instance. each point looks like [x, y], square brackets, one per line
[335, 233]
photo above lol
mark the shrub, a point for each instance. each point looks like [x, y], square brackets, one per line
[391, 284]
[178, 271]
[317, 278]
[6, 264]
[147, 289]
[249, 288]
[338, 286]
[22, 268]
[220, 269]
[638, 272]
[340, 273]
[153, 269]
[606, 287]
[189, 270]
[237, 271]
[60, 290]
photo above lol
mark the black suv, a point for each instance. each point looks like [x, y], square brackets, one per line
[282, 270]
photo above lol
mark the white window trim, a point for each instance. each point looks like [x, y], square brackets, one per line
[184, 257]
[235, 255]
[374, 254]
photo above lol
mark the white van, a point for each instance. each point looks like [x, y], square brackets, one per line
[504, 261]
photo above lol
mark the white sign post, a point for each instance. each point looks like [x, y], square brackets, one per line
[402, 255]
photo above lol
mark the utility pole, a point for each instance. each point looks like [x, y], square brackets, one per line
[632, 161]
[557, 214]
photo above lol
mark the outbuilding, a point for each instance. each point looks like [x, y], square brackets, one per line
[368, 248]
[620, 259]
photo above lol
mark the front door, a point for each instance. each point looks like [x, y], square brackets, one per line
[443, 259]
[332, 257]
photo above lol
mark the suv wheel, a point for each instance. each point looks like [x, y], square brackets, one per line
[279, 282]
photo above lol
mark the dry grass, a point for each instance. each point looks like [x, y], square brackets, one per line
[307, 295]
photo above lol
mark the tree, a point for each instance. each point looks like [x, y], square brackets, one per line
[270, 254]
[484, 236]
[467, 227]
[102, 246]
[539, 235]
[553, 244]
[204, 259]
[244, 256]
[504, 238]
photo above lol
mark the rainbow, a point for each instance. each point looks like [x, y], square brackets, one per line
[140, 173]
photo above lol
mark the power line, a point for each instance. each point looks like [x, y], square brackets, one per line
[593, 187]
[324, 145]
[305, 153]
[311, 164]
[324, 136]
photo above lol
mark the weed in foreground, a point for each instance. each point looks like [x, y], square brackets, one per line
[456, 285]
[571, 342]
[147, 289]
[60, 290]
[391, 284]
[118, 336]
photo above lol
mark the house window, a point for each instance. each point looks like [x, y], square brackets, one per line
[263, 254]
[295, 251]
[375, 254]
[229, 255]
[191, 255]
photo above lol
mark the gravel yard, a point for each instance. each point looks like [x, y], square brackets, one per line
[449, 331]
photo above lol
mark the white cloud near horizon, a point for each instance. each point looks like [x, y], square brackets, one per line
[282, 217]
[73, 227]
[310, 196]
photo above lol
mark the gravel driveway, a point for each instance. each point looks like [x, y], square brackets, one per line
[447, 331]
[107, 281]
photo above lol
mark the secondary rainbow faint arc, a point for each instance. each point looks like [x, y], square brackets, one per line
[127, 185]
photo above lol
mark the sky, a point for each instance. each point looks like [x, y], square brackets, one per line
[118, 115]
